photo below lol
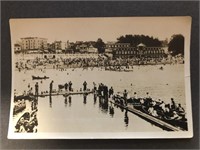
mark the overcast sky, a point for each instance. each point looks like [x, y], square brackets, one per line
[90, 29]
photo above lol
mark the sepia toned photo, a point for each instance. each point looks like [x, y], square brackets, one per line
[101, 78]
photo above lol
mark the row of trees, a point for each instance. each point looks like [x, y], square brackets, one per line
[134, 40]
[176, 44]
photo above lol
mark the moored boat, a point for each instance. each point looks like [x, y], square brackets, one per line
[118, 69]
[19, 106]
[177, 120]
[25, 97]
[39, 78]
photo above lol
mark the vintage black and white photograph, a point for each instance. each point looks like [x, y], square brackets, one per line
[112, 77]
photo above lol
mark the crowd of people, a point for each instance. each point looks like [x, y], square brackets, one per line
[100, 61]
[27, 123]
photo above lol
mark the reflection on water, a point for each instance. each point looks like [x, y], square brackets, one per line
[97, 114]
[65, 101]
[111, 110]
[84, 99]
[68, 99]
[50, 101]
[95, 99]
[126, 119]
[85, 118]
[103, 104]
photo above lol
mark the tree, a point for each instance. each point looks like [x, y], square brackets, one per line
[134, 40]
[176, 44]
[100, 45]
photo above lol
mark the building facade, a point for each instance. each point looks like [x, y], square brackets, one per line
[33, 43]
[92, 49]
[59, 46]
[82, 48]
[113, 45]
[124, 50]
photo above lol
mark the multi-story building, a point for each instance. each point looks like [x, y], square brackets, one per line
[124, 50]
[112, 46]
[59, 46]
[33, 43]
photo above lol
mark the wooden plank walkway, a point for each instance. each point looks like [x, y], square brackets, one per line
[64, 93]
[151, 118]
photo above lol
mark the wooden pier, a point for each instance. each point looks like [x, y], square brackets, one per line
[148, 117]
[64, 93]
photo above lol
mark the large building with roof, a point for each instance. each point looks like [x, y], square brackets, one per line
[125, 50]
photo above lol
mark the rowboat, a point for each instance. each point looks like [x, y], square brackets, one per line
[121, 69]
[39, 78]
[25, 97]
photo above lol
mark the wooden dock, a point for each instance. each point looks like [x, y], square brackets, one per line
[148, 117]
[64, 93]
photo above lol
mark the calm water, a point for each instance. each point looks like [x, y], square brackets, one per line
[84, 114]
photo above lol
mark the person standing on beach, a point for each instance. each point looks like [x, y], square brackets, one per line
[66, 86]
[70, 86]
[95, 88]
[99, 90]
[36, 89]
[125, 94]
[84, 86]
[111, 91]
[51, 87]
[105, 91]
[173, 105]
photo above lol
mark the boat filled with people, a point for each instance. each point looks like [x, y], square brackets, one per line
[169, 113]
[28, 122]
